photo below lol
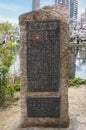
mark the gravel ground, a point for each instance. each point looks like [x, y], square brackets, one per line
[10, 117]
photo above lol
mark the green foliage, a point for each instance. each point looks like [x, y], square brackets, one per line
[10, 90]
[16, 85]
[7, 94]
[6, 57]
[2, 95]
[0, 42]
[84, 42]
[5, 26]
[76, 81]
[7, 53]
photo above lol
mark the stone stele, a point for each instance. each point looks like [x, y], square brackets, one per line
[44, 76]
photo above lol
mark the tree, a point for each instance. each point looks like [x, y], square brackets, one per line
[5, 27]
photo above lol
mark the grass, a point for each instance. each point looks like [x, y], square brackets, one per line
[76, 43]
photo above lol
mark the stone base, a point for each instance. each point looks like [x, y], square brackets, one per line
[44, 123]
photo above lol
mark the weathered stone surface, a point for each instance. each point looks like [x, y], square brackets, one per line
[48, 13]
[57, 11]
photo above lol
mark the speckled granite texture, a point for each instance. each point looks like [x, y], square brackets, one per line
[48, 13]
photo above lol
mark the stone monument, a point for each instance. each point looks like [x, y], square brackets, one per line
[44, 36]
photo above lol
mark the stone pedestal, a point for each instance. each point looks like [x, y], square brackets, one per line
[44, 36]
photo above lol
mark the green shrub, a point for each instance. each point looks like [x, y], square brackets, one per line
[7, 94]
[2, 95]
[76, 81]
[17, 85]
[6, 58]
[10, 90]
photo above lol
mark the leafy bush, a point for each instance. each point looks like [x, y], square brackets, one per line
[10, 90]
[7, 94]
[5, 26]
[16, 85]
[6, 57]
[76, 81]
[2, 95]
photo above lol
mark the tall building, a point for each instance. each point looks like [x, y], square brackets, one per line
[35, 4]
[73, 7]
[83, 19]
[61, 1]
[73, 10]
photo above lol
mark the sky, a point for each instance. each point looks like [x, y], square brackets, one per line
[10, 10]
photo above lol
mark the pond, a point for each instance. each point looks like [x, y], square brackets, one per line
[80, 68]
[77, 62]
